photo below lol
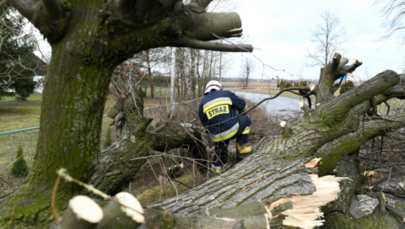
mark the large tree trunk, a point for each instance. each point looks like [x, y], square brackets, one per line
[75, 91]
[203, 209]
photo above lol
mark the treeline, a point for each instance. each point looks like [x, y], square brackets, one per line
[286, 84]
[192, 70]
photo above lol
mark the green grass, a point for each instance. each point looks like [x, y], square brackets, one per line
[16, 115]
[393, 103]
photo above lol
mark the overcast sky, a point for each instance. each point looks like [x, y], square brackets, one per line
[281, 32]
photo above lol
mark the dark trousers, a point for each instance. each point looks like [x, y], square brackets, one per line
[221, 148]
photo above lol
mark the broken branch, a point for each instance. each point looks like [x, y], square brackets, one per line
[193, 43]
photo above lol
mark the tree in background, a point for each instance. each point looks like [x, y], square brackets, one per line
[246, 72]
[327, 38]
[150, 60]
[393, 11]
[20, 167]
[17, 61]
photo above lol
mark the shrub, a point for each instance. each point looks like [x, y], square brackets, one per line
[346, 86]
[20, 168]
[303, 83]
[287, 84]
[108, 139]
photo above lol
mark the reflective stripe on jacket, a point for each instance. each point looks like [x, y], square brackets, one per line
[217, 107]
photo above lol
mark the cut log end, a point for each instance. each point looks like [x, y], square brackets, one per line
[302, 103]
[283, 123]
[133, 208]
[86, 209]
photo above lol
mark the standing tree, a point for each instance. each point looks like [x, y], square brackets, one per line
[327, 38]
[246, 72]
[173, 83]
[393, 11]
[20, 167]
[89, 39]
[17, 61]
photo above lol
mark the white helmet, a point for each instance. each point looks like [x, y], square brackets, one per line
[213, 85]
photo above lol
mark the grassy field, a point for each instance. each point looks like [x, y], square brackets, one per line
[258, 90]
[164, 93]
[270, 92]
[252, 84]
[18, 115]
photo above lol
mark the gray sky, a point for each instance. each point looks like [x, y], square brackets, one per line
[281, 32]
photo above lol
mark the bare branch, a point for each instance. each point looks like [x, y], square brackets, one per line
[25, 7]
[192, 43]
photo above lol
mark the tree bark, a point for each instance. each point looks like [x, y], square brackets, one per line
[337, 213]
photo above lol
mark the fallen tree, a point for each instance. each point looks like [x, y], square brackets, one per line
[114, 168]
[334, 129]
[296, 195]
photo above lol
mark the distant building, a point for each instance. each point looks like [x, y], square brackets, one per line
[42, 67]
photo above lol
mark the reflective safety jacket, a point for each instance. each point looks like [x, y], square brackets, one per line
[219, 106]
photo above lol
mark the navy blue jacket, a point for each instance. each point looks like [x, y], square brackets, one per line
[219, 106]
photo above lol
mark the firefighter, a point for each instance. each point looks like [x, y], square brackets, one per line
[219, 106]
